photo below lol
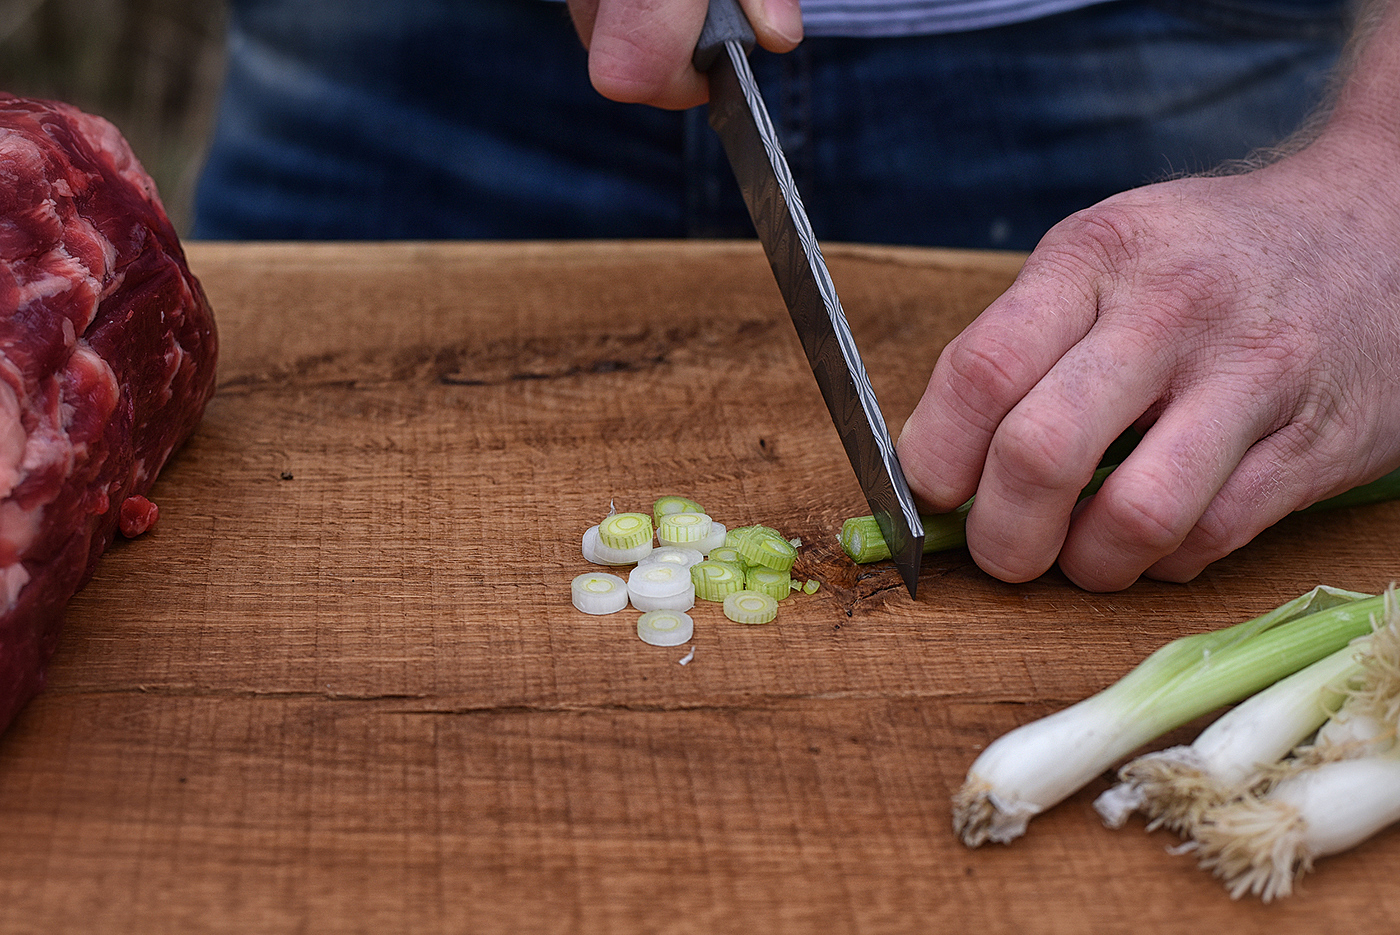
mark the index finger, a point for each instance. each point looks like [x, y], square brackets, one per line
[987, 370]
[639, 51]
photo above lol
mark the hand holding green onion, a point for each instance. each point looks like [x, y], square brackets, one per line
[863, 542]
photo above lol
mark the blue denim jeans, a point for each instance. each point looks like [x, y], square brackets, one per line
[357, 119]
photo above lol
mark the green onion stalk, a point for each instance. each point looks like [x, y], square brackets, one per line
[1041, 763]
[1343, 706]
[1175, 787]
[1260, 846]
[863, 542]
[1333, 793]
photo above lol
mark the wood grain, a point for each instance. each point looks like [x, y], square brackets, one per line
[340, 686]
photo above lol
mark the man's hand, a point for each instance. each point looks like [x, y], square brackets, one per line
[639, 50]
[1250, 324]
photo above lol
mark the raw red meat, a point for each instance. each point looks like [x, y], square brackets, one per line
[137, 516]
[107, 353]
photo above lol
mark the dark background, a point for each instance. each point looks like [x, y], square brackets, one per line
[152, 67]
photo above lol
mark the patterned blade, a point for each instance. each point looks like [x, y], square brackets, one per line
[739, 116]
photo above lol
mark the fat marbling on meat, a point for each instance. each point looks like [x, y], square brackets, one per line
[107, 354]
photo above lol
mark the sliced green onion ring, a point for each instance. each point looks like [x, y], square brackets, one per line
[665, 627]
[657, 579]
[665, 506]
[739, 534]
[675, 555]
[715, 540]
[597, 592]
[625, 530]
[683, 599]
[714, 581]
[684, 528]
[599, 554]
[726, 553]
[770, 551]
[750, 607]
[776, 584]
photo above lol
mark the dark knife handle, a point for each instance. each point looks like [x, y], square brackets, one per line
[724, 22]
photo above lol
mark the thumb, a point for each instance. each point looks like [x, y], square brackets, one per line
[777, 24]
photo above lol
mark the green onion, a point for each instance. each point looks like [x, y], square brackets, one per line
[683, 528]
[863, 541]
[1331, 795]
[750, 607]
[811, 586]
[1368, 720]
[1355, 691]
[625, 530]
[665, 627]
[1261, 845]
[1043, 762]
[671, 577]
[776, 584]
[658, 579]
[599, 554]
[597, 592]
[738, 535]
[660, 586]
[665, 506]
[768, 549]
[714, 581]
[1175, 787]
[1383, 488]
[726, 553]
[715, 540]
[675, 555]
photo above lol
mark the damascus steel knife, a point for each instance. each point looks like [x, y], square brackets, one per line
[737, 113]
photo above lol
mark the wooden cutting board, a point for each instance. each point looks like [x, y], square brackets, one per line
[340, 687]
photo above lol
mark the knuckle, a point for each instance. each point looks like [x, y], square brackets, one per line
[1010, 558]
[989, 371]
[1152, 518]
[1112, 235]
[1040, 449]
[1212, 537]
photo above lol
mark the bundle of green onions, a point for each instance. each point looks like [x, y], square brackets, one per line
[1305, 765]
[1027, 770]
[1337, 787]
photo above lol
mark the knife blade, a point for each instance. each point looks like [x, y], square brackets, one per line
[737, 113]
